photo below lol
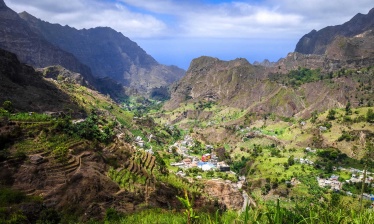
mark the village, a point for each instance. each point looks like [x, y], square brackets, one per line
[207, 162]
[210, 162]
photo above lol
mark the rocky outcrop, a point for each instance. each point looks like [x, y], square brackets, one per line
[109, 54]
[317, 42]
[226, 193]
[359, 48]
[211, 79]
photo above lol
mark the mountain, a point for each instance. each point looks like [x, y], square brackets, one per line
[109, 54]
[316, 42]
[330, 71]
[258, 89]
[27, 89]
[52, 162]
[31, 48]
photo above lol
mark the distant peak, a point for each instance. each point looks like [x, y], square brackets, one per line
[371, 12]
[241, 61]
[2, 4]
[26, 15]
[312, 32]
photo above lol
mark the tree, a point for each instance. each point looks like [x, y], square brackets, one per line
[370, 116]
[331, 114]
[291, 160]
[329, 167]
[314, 116]
[348, 110]
[7, 105]
[161, 164]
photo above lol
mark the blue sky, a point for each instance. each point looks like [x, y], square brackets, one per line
[176, 31]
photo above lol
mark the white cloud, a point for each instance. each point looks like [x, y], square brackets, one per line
[321, 13]
[238, 20]
[92, 13]
[192, 18]
[183, 29]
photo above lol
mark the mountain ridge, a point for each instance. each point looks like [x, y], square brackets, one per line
[259, 89]
[288, 87]
[109, 54]
[31, 48]
[315, 42]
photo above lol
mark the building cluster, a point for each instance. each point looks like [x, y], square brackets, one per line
[356, 178]
[206, 162]
[304, 161]
[308, 149]
[332, 182]
[139, 141]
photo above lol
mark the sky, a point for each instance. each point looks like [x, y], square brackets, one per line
[176, 31]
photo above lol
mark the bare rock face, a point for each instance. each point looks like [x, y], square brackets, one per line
[356, 48]
[109, 54]
[211, 79]
[316, 42]
[225, 193]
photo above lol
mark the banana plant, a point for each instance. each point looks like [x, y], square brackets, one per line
[189, 212]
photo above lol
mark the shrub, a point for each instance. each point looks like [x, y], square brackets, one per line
[346, 136]
[331, 114]
[9, 196]
[370, 116]
[60, 153]
[49, 216]
[7, 105]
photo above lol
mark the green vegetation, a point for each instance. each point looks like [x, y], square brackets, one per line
[303, 75]
[281, 157]
[125, 178]
[300, 76]
[271, 213]
[189, 212]
[10, 211]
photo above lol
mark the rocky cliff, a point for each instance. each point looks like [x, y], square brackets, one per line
[228, 195]
[109, 54]
[316, 42]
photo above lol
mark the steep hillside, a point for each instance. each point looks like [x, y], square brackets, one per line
[356, 48]
[259, 89]
[69, 151]
[220, 81]
[53, 161]
[31, 48]
[316, 42]
[109, 54]
[28, 90]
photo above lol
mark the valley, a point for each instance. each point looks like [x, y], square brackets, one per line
[94, 130]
